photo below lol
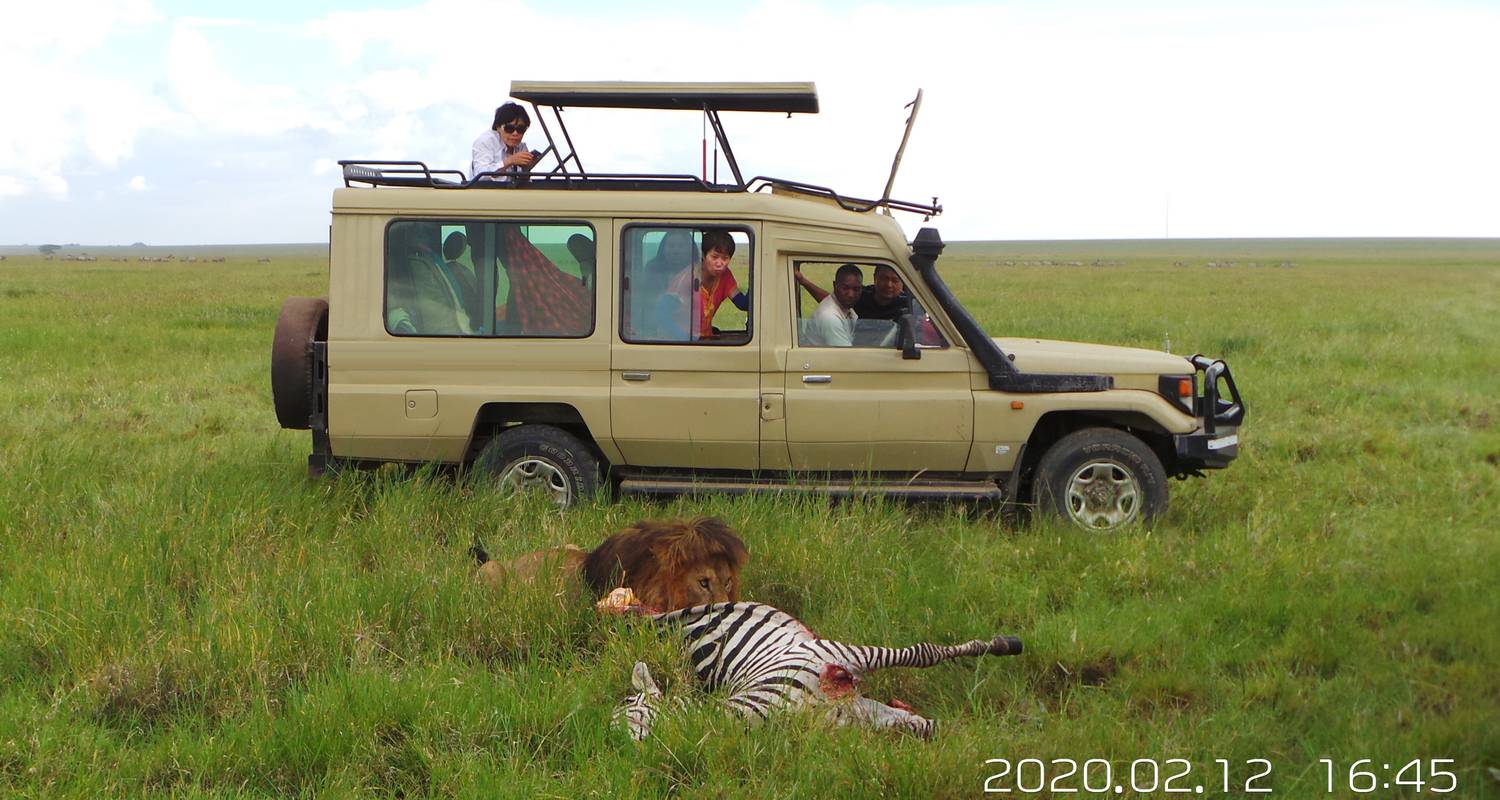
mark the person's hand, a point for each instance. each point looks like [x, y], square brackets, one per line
[522, 158]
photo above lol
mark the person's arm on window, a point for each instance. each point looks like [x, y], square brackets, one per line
[741, 301]
[812, 288]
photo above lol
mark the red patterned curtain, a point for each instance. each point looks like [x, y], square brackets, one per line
[547, 301]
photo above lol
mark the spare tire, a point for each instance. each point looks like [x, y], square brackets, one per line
[303, 320]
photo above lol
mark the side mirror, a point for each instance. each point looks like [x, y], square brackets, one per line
[907, 325]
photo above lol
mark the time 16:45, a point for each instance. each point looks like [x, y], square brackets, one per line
[1364, 776]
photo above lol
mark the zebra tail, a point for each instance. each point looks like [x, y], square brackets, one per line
[926, 654]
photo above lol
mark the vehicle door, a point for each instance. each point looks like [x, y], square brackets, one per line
[854, 404]
[685, 374]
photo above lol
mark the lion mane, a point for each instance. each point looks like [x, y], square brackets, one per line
[667, 562]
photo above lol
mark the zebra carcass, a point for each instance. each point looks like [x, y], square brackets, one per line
[766, 660]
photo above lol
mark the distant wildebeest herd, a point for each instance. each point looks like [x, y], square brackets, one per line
[166, 259]
[1103, 263]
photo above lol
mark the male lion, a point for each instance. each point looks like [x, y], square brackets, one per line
[669, 564]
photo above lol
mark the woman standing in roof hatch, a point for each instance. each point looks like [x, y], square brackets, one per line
[501, 149]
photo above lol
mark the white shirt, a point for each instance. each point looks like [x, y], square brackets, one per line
[490, 153]
[831, 325]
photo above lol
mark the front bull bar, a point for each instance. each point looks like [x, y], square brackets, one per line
[1207, 449]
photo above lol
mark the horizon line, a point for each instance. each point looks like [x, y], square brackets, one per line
[74, 246]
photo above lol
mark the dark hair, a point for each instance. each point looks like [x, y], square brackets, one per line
[849, 269]
[454, 245]
[890, 269]
[718, 240]
[510, 112]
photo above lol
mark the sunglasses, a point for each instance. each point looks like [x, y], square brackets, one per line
[509, 128]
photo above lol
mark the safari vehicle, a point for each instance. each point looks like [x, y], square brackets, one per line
[546, 347]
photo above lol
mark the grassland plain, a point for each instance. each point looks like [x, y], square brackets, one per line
[184, 613]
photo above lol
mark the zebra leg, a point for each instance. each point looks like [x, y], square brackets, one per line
[859, 710]
[925, 654]
[639, 710]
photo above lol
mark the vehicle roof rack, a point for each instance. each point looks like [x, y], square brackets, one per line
[416, 174]
[400, 173]
[761, 183]
[569, 173]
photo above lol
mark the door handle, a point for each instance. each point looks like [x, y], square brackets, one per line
[636, 376]
[817, 379]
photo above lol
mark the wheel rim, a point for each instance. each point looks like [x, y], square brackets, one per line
[1103, 494]
[532, 474]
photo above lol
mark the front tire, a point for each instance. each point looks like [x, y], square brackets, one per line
[544, 459]
[1101, 479]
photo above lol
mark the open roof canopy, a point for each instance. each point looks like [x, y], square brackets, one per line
[789, 98]
[707, 98]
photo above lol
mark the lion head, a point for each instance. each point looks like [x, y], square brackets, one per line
[670, 564]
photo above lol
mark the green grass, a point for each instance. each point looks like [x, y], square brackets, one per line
[183, 612]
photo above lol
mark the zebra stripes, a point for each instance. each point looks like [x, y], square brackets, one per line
[767, 660]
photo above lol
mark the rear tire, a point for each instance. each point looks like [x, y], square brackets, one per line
[535, 457]
[303, 320]
[1101, 479]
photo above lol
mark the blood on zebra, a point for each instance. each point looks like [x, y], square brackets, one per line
[837, 681]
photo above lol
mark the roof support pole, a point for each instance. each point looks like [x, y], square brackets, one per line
[915, 106]
[562, 160]
[713, 118]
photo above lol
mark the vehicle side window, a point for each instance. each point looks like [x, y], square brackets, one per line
[685, 284]
[489, 279]
[868, 317]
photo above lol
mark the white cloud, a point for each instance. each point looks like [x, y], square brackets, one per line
[395, 139]
[478, 29]
[137, 184]
[74, 114]
[71, 27]
[54, 186]
[1038, 120]
[218, 101]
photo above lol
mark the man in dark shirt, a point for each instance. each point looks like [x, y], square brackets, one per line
[886, 299]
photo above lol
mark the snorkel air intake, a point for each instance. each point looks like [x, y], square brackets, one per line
[1003, 375]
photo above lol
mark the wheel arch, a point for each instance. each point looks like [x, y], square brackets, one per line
[494, 417]
[1054, 425]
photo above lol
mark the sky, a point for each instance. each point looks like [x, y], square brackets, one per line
[176, 122]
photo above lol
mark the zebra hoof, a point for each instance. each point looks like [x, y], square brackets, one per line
[1005, 646]
[640, 678]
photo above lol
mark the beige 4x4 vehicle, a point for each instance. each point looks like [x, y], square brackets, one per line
[547, 330]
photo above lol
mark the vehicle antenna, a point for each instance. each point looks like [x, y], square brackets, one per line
[915, 106]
